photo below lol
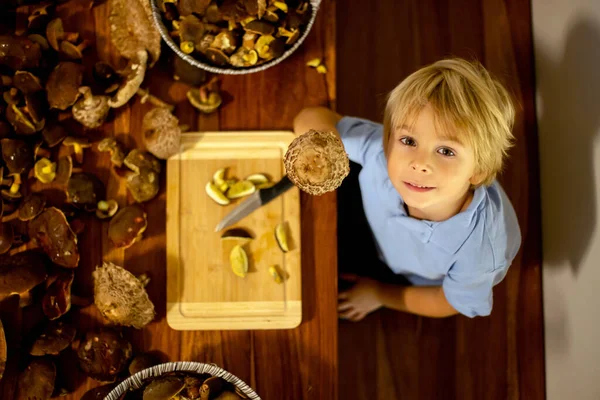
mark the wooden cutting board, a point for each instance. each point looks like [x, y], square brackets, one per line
[203, 293]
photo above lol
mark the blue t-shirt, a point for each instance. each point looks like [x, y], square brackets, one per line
[467, 254]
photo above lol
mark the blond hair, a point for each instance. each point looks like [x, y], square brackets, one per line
[469, 105]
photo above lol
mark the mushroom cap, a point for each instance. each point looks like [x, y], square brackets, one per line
[132, 28]
[134, 76]
[57, 300]
[187, 7]
[54, 234]
[32, 206]
[54, 134]
[104, 354]
[63, 85]
[55, 337]
[19, 52]
[36, 105]
[22, 124]
[54, 32]
[85, 190]
[127, 225]
[64, 169]
[90, 111]
[162, 135]
[143, 186]
[316, 162]
[26, 82]
[117, 156]
[121, 297]
[213, 102]
[17, 155]
[21, 272]
[187, 73]
[37, 381]
[138, 159]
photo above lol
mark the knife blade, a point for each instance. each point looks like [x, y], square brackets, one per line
[254, 202]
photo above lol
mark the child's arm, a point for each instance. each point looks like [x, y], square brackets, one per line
[317, 118]
[428, 301]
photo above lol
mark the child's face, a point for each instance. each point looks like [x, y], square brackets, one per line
[432, 174]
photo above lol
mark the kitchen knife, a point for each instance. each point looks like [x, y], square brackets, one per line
[255, 201]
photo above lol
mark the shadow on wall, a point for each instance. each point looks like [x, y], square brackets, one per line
[569, 120]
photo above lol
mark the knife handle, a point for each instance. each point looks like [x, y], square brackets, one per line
[266, 195]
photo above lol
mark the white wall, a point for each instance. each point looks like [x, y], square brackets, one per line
[567, 57]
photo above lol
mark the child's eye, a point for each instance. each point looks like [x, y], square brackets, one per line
[446, 152]
[407, 141]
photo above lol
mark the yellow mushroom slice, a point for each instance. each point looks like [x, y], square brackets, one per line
[45, 170]
[214, 193]
[313, 62]
[238, 260]
[281, 236]
[322, 69]
[240, 189]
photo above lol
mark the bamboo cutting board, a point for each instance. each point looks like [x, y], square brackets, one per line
[203, 293]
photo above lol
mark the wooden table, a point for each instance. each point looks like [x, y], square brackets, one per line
[283, 364]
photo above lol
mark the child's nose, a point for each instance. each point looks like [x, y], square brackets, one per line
[420, 165]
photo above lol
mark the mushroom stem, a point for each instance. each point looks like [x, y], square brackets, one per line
[146, 96]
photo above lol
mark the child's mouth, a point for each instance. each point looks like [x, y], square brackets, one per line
[418, 188]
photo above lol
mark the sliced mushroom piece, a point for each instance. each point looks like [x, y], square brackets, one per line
[134, 76]
[104, 354]
[138, 159]
[55, 337]
[19, 52]
[90, 111]
[78, 145]
[72, 51]
[162, 135]
[114, 148]
[132, 29]
[17, 155]
[63, 85]
[57, 300]
[21, 272]
[26, 82]
[121, 297]
[127, 226]
[32, 206]
[45, 170]
[22, 124]
[85, 190]
[52, 231]
[143, 186]
[107, 209]
[37, 381]
[54, 134]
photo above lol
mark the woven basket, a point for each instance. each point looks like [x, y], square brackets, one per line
[135, 381]
[230, 70]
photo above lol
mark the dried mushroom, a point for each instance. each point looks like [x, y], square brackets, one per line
[85, 190]
[127, 226]
[114, 148]
[21, 272]
[57, 300]
[104, 354]
[134, 76]
[55, 337]
[132, 28]
[52, 231]
[162, 135]
[26, 82]
[17, 155]
[37, 381]
[78, 145]
[143, 186]
[44, 170]
[32, 206]
[90, 111]
[121, 297]
[19, 52]
[106, 209]
[137, 160]
[63, 84]
[316, 162]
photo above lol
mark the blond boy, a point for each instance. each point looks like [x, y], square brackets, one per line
[434, 211]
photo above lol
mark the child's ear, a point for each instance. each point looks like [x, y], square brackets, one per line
[477, 179]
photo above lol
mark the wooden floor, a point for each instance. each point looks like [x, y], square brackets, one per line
[391, 355]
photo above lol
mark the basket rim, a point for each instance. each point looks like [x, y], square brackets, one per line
[158, 23]
[135, 380]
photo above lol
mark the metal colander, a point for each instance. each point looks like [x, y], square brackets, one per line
[156, 13]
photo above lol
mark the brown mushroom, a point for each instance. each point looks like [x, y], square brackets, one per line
[36, 106]
[55, 337]
[55, 33]
[141, 362]
[54, 134]
[64, 169]
[72, 51]
[78, 145]
[63, 85]
[26, 82]
[316, 162]
[85, 190]
[17, 155]
[187, 7]
[121, 297]
[32, 206]
[107, 209]
[37, 381]
[57, 300]
[260, 27]
[132, 29]
[6, 237]
[244, 58]
[134, 76]
[21, 272]
[52, 231]
[143, 186]
[103, 355]
[127, 226]
[138, 159]
[90, 111]
[22, 124]
[217, 57]
[162, 135]
[204, 100]
[19, 52]
[164, 387]
[114, 148]
[191, 29]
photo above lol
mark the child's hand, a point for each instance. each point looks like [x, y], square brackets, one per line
[355, 303]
